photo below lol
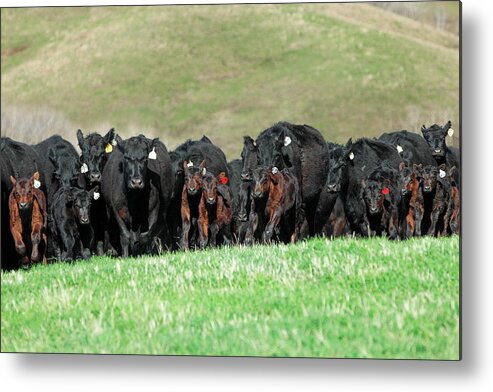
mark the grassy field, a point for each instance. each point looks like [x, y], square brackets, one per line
[343, 298]
[225, 71]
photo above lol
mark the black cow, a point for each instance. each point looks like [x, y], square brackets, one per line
[381, 197]
[95, 150]
[73, 236]
[330, 218]
[436, 189]
[303, 150]
[18, 160]
[435, 137]
[60, 164]
[355, 164]
[411, 146]
[137, 183]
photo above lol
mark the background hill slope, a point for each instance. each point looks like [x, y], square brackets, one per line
[225, 71]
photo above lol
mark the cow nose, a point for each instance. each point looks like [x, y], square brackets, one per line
[95, 176]
[84, 219]
[211, 199]
[22, 205]
[245, 177]
[136, 182]
[373, 209]
[403, 192]
[332, 188]
[242, 217]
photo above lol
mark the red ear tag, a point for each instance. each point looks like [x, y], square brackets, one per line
[224, 180]
[385, 191]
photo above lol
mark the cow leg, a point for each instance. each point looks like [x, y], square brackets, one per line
[35, 239]
[203, 225]
[122, 219]
[275, 217]
[393, 224]
[45, 247]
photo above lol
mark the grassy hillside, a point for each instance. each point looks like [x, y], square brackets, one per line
[178, 72]
[341, 298]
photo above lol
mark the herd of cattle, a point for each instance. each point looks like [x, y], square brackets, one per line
[131, 197]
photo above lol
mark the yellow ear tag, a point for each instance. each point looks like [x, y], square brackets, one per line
[108, 148]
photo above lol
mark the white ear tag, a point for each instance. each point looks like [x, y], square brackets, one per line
[254, 144]
[96, 195]
[190, 164]
[84, 168]
[152, 154]
[204, 170]
[442, 173]
[287, 141]
[450, 132]
[351, 155]
[37, 184]
[275, 170]
[113, 142]
[399, 149]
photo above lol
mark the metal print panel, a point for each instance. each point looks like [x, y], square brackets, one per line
[275, 180]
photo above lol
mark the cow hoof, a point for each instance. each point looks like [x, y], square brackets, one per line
[21, 249]
[86, 254]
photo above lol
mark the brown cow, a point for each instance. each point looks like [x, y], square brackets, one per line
[27, 206]
[412, 207]
[279, 192]
[454, 205]
[215, 209]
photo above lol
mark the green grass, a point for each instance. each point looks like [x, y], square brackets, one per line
[227, 71]
[369, 298]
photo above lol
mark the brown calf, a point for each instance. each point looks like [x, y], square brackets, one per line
[27, 206]
[280, 190]
[215, 209]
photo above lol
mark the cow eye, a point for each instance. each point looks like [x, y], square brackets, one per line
[17, 194]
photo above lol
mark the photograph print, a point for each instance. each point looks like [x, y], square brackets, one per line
[260, 180]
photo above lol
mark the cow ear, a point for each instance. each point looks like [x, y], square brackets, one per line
[94, 191]
[443, 166]
[402, 165]
[109, 137]
[120, 143]
[452, 171]
[52, 156]
[417, 168]
[349, 144]
[423, 129]
[13, 181]
[185, 166]
[80, 138]
[363, 183]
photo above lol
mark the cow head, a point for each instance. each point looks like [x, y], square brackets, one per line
[194, 176]
[262, 177]
[249, 158]
[435, 137]
[407, 178]
[66, 167]
[429, 175]
[22, 191]
[210, 184]
[79, 200]
[339, 158]
[374, 194]
[136, 154]
[95, 152]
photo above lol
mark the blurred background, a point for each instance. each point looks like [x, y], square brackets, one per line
[179, 72]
